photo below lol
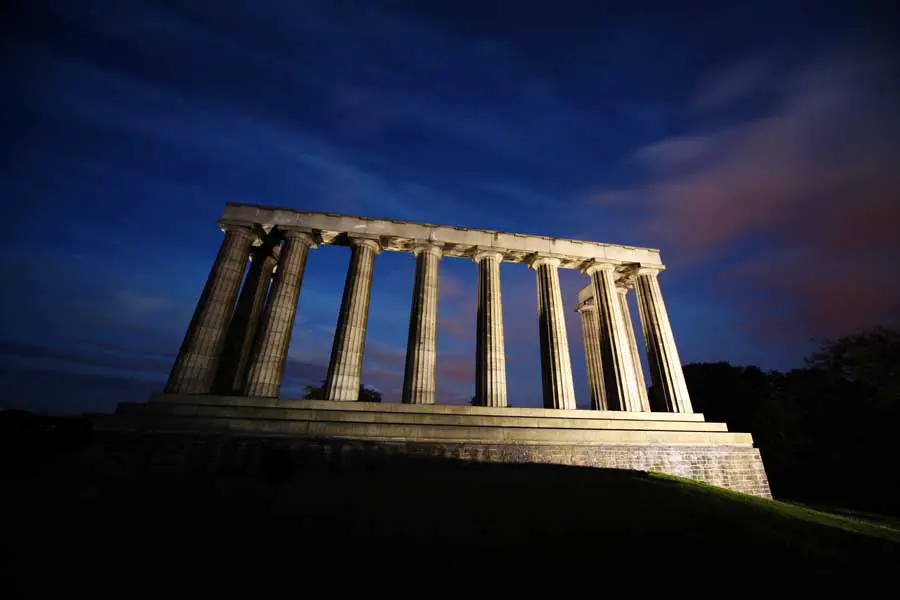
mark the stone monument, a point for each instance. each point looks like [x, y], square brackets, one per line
[226, 380]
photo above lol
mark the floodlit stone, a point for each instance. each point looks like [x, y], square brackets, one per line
[490, 352]
[421, 347]
[556, 366]
[590, 331]
[233, 389]
[345, 366]
[270, 352]
[198, 358]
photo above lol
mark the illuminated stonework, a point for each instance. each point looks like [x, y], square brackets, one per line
[227, 377]
[299, 231]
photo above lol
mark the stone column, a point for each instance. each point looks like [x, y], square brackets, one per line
[245, 321]
[644, 401]
[345, 366]
[618, 367]
[271, 349]
[198, 358]
[556, 365]
[266, 260]
[665, 366]
[421, 346]
[490, 361]
[590, 331]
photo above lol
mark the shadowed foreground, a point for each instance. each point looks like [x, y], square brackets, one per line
[394, 529]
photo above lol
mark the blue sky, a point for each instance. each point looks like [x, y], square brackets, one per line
[756, 144]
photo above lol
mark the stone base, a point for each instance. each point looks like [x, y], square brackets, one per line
[346, 433]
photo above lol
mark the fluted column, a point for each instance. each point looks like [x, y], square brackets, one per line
[618, 367]
[556, 365]
[665, 365]
[198, 358]
[590, 332]
[345, 366]
[271, 349]
[490, 362]
[644, 401]
[244, 324]
[421, 346]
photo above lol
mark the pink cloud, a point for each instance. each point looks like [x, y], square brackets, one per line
[451, 287]
[456, 367]
[455, 377]
[810, 191]
[460, 325]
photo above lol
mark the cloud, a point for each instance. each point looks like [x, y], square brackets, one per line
[455, 376]
[146, 361]
[135, 304]
[299, 372]
[731, 85]
[451, 287]
[383, 367]
[803, 202]
[456, 367]
[460, 325]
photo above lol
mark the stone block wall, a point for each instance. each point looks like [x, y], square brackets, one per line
[732, 467]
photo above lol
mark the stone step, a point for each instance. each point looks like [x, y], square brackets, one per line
[403, 418]
[543, 413]
[160, 421]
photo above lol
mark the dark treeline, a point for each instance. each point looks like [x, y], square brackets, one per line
[828, 432]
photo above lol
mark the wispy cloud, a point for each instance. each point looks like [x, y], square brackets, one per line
[724, 88]
[136, 304]
[806, 196]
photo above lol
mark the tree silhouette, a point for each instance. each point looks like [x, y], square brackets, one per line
[826, 431]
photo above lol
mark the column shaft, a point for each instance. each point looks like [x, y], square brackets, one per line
[556, 365]
[254, 319]
[198, 358]
[618, 367]
[644, 401]
[665, 365]
[345, 366]
[421, 346]
[590, 331]
[271, 348]
[490, 361]
[245, 321]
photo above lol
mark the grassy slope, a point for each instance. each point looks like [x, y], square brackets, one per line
[450, 526]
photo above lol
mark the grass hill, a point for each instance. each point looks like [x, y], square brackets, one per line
[422, 529]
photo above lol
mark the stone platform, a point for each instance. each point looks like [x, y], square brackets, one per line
[681, 444]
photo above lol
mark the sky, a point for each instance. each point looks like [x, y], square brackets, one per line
[756, 144]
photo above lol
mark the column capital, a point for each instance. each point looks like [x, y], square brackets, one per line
[365, 241]
[428, 248]
[542, 259]
[248, 229]
[481, 253]
[621, 289]
[652, 271]
[596, 265]
[300, 234]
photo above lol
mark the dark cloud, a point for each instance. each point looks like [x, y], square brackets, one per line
[298, 373]
[106, 356]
